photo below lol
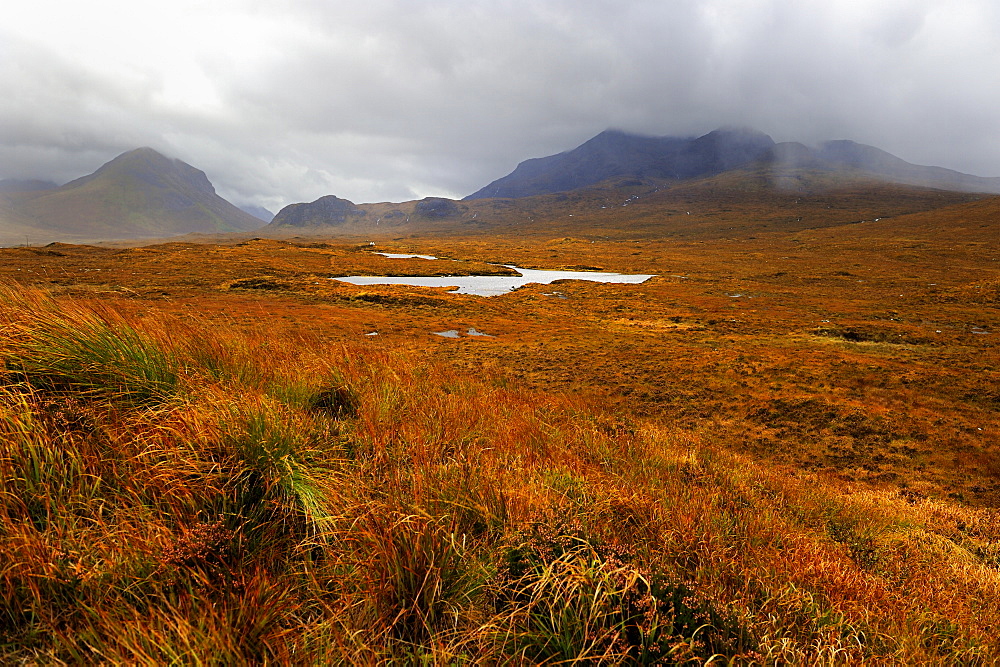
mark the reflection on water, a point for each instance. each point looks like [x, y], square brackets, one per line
[495, 285]
[454, 333]
[398, 255]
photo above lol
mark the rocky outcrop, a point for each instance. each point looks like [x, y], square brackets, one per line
[437, 207]
[325, 211]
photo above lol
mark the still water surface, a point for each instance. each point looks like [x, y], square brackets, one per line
[403, 255]
[495, 285]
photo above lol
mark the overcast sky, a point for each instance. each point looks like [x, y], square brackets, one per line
[282, 101]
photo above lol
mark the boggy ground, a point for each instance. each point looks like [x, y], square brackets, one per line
[781, 449]
[867, 350]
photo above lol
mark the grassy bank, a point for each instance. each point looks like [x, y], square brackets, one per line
[181, 491]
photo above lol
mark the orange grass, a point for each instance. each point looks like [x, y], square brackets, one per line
[286, 500]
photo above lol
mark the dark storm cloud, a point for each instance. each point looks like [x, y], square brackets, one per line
[389, 100]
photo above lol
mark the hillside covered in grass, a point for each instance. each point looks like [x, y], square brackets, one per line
[181, 491]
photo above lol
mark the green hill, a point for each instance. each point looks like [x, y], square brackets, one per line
[139, 194]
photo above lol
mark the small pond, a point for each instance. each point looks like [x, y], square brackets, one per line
[453, 333]
[495, 285]
[402, 255]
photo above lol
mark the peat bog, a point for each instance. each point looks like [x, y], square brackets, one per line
[784, 446]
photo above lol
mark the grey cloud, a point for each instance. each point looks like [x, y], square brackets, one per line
[391, 100]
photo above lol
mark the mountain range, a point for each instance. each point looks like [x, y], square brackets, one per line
[741, 166]
[143, 194]
[618, 155]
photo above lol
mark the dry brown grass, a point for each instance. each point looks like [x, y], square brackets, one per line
[288, 500]
[202, 472]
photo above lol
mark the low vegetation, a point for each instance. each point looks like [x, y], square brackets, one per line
[183, 490]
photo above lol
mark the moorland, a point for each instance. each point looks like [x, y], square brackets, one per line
[784, 447]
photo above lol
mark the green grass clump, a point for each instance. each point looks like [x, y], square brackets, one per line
[87, 352]
[279, 464]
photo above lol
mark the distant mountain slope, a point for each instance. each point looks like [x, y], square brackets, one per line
[14, 228]
[26, 185]
[613, 154]
[876, 161]
[139, 194]
[618, 155]
[738, 202]
[258, 212]
[334, 214]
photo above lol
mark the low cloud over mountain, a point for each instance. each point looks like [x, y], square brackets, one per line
[615, 154]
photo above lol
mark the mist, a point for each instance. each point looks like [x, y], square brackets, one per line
[283, 102]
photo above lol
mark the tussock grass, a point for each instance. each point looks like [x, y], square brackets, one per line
[84, 352]
[172, 494]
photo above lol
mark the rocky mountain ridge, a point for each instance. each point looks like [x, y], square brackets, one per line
[617, 154]
[143, 194]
